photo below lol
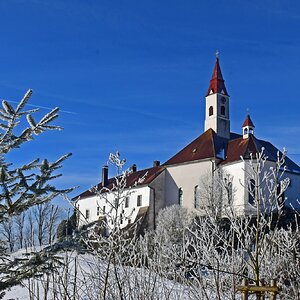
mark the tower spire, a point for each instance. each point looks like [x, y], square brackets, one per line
[217, 83]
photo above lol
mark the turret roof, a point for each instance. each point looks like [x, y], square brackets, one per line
[248, 122]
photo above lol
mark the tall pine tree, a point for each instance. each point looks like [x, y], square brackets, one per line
[22, 187]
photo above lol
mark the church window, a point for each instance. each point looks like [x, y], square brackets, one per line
[98, 210]
[180, 196]
[196, 196]
[251, 192]
[87, 214]
[210, 111]
[126, 201]
[139, 200]
[223, 110]
[229, 192]
[103, 209]
[245, 131]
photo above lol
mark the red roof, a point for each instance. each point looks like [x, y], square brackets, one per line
[210, 145]
[217, 83]
[131, 180]
[207, 145]
[248, 122]
[241, 147]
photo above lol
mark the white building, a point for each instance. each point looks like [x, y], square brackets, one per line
[178, 180]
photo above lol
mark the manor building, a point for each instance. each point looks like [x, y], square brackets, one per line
[179, 180]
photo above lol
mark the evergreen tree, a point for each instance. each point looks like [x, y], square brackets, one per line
[22, 187]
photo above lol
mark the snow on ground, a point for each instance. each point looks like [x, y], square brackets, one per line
[89, 283]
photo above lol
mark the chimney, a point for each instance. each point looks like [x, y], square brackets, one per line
[105, 175]
[133, 168]
[156, 163]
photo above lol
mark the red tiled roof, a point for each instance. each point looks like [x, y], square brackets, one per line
[210, 145]
[207, 145]
[217, 83]
[248, 122]
[244, 147]
[131, 180]
[240, 147]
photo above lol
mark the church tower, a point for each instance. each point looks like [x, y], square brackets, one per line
[217, 104]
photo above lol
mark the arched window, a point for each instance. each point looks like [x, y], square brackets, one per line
[196, 197]
[210, 111]
[180, 196]
[251, 192]
[223, 110]
[127, 201]
[245, 131]
[229, 192]
[139, 200]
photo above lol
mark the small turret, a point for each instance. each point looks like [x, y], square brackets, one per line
[248, 127]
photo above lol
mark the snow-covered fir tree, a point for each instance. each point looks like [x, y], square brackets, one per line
[24, 186]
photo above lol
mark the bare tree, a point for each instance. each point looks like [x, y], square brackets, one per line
[40, 213]
[9, 233]
[30, 231]
[20, 228]
[51, 223]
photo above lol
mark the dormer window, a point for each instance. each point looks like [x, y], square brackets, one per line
[210, 111]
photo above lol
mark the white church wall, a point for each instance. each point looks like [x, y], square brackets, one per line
[240, 181]
[157, 198]
[240, 197]
[185, 176]
[292, 193]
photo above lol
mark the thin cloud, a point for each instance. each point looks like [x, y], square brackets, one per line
[46, 107]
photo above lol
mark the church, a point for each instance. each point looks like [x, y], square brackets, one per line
[181, 179]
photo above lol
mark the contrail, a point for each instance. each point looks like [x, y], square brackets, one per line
[45, 107]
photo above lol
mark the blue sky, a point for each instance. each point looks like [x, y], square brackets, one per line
[132, 75]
